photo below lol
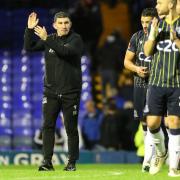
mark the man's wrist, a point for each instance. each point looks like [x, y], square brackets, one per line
[44, 38]
[136, 68]
[152, 34]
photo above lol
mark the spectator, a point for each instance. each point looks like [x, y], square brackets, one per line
[110, 59]
[87, 20]
[111, 127]
[91, 126]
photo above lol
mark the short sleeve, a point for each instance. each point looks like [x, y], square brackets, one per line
[133, 44]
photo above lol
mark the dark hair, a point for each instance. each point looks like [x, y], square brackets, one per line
[152, 12]
[61, 14]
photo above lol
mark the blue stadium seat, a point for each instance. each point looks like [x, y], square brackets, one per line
[5, 89]
[5, 68]
[5, 79]
[5, 120]
[5, 97]
[37, 122]
[37, 97]
[22, 138]
[21, 88]
[22, 119]
[20, 99]
[5, 105]
[5, 138]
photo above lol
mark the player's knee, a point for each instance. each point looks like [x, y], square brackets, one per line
[174, 123]
[153, 123]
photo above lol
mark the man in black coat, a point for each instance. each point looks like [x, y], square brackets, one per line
[62, 82]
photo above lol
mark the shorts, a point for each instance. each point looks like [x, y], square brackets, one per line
[162, 100]
[139, 102]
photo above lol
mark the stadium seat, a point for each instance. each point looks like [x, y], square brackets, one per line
[5, 138]
[22, 138]
[22, 119]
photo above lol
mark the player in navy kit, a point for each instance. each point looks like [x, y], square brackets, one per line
[136, 61]
[164, 85]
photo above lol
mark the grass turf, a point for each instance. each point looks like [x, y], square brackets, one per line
[84, 172]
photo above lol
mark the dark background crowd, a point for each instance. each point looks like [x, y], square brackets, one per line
[106, 112]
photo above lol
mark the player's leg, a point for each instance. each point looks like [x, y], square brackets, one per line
[139, 107]
[149, 151]
[158, 140]
[174, 145]
[156, 110]
[174, 129]
[165, 128]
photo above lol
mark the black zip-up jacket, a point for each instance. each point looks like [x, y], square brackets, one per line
[62, 61]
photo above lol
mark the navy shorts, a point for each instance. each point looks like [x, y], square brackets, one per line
[139, 102]
[162, 100]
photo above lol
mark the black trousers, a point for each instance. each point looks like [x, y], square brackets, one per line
[69, 105]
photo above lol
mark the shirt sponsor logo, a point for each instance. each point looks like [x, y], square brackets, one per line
[142, 57]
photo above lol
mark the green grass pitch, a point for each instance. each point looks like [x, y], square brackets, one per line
[84, 172]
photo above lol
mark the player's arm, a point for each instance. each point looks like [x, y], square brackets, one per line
[129, 64]
[151, 41]
[29, 43]
[173, 34]
[174, 38]
[129, 61]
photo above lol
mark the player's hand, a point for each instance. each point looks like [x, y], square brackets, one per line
[154, 29]
[142, 71]
[173, 35]
[32, 20]
[41, 32]
[154, 23]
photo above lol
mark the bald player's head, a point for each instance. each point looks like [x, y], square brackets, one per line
[178, 7]
[164, 6]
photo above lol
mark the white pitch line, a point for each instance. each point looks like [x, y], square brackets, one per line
[117, 173]
[75, 176]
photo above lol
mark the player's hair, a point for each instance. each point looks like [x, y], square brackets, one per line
[61, 14]
[152, 12]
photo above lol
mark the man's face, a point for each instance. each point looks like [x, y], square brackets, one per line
[62, 25]
[90, 106]
[145, 21]
[162, 7]
[178, 7]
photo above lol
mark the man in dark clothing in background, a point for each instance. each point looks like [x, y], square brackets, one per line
[87, 20]
[62, 82]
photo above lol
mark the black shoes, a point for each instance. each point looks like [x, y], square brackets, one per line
[71, 166]
[46, 166]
